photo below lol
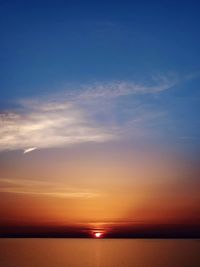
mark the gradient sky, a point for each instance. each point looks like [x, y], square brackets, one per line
[99, 112]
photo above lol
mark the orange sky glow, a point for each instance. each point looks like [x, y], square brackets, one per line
[98, 190]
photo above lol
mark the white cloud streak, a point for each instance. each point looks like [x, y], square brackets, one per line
[29, 149]
[68, 119]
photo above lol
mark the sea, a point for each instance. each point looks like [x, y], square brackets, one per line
[47, 252]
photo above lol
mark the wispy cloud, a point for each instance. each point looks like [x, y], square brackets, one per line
[68, 118]
[47, 125]
[121, 88]
[43, 188]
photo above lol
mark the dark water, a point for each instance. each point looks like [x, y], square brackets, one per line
[99, 253]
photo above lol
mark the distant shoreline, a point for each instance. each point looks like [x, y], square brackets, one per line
[43, 236]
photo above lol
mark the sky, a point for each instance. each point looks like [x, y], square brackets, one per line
[99, 113]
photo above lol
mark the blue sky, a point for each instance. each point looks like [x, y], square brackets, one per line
[44, 46]
[65, 47]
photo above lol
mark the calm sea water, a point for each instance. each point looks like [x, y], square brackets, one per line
[99, 253]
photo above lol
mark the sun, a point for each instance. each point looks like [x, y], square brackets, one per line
[98, 234]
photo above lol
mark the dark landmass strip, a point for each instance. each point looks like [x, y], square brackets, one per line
[144, 231]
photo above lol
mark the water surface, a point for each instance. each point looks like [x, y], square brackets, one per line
[99, 253]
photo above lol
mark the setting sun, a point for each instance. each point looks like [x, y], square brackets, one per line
[98, 235]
